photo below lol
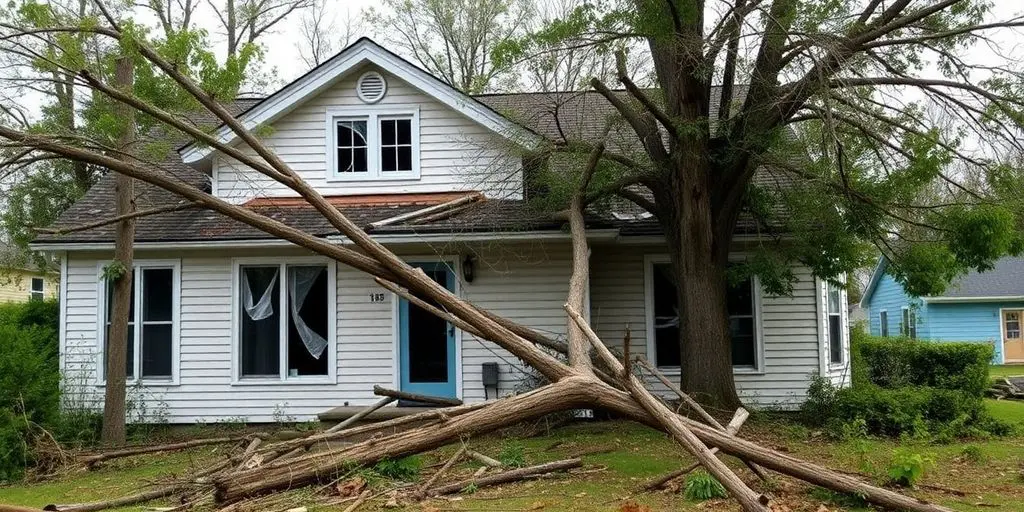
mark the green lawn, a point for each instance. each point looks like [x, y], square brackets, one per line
[618, 457]
[1006, 370]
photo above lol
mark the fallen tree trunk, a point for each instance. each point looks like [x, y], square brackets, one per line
[416, 397]
[123, 501]
[97, 458]
[690, 402]
[569, 393]
[751, 501]
[504, 477]
[734, 426]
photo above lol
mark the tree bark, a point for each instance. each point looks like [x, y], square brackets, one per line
[699, 262]
[116, 351]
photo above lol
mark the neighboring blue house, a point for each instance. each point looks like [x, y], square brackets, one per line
[985, 307]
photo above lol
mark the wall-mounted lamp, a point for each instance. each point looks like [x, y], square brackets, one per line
[468, 268]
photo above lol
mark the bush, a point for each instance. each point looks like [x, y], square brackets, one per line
[701, 486]
[898, 362]
[907, 468]
[29, 379]
[908, 411]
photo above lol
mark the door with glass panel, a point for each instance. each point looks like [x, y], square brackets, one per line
[1013, 340]
[427, 343]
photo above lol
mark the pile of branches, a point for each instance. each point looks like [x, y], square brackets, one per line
[1005, 389]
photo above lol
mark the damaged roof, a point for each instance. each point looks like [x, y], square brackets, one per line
[581, 115]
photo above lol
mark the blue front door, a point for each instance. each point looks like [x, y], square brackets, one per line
[427, 343]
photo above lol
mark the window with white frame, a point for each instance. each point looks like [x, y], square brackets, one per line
[883, 323]
[908, 327]
[835, 324]
[375, 145]
[665, 319]
[37, 289]
[152, 317]
[284, 320]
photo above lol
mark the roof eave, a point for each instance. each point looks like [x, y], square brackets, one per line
[980, 298]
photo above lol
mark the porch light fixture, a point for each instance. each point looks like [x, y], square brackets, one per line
[467, 268]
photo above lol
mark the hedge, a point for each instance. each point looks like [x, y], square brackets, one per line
[893, 363]
[29, 380]
[906, 387]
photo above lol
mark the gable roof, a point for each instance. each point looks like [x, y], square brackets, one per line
[326, 74]
[1004, 281]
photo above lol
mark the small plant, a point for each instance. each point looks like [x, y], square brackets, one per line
[469, 489]
[972, 453]
[281, 416]
[405, 469]
[701, 486]
[512, 455]
[907, 468]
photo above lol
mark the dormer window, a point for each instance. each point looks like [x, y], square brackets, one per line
[379, 144]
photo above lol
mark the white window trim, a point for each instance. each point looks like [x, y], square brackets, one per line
[101, 309]
[42, 289]
[372, 115]
[844, 332]
[649, 261]
[883, 327]
[911, 317]
[332, 323]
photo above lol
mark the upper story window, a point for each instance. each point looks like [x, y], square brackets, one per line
[379, 144]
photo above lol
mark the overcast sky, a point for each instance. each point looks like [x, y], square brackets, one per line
[282, 53]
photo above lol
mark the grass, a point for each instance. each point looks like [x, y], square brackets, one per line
[618, 457]
[1010, 411]
[1006, 370]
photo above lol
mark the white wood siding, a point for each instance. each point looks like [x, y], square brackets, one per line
[525, 282]
[456, 153]
[790, 325]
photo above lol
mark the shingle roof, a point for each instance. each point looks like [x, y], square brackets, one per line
[1005, 280]
[583, 114]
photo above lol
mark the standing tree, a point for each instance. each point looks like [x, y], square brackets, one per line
[244, 21]
[806, 120]
[119, 273]
[453, 39]
[320, 34]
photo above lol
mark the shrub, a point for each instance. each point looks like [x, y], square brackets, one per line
[29, 379]
[907, 468]
[405, 469]
[701, 486]
[898, 362]
[909, 411]
[821, 403]
[14, 453]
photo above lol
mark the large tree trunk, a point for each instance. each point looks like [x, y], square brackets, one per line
[699, 263]
[117, 337]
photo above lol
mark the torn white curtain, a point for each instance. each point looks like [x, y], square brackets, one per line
[265, 307]
[300, 281]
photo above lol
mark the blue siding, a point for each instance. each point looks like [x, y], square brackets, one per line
[974, 321]
[889, 296]
[956, 321]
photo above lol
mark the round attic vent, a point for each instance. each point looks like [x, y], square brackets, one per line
[371, 87]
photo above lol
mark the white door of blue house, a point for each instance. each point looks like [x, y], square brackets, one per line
[426, 347]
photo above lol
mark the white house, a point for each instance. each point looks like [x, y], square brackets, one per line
[231, 323]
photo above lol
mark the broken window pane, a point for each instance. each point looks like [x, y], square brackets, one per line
[260, 332]
[307, 320]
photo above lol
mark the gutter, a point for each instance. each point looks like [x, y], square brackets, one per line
[397, 238]
[994, 298]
